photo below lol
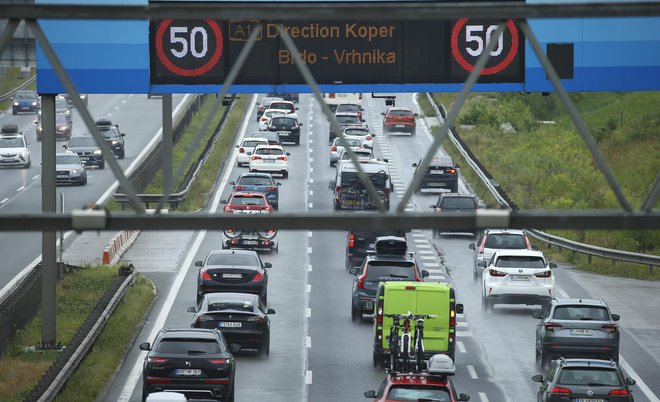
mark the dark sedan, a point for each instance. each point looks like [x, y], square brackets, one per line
[261, 182]
[233, 271]
[241, 317]
[287, 127]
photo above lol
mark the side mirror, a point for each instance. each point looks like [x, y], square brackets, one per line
[537, 378]
[123, 134]
[553, 265]
[385, 160]
[35, 122]
[471, 246]
[432, 206]
[199, 263]
[482, 264]
[353, 270]
[537, 314]
[234, 348]
[459, 308]
[268, 265]
[288, 154]
[616, 317]
[331, 184]
[300, 124]
[65, 146]
[191, 310]
[370, 394]
[233, 183]
[415, 114]
[535, 247]
[278, 184]
[297, 108]
[425, 273]
[463, 397]
[382, 113]
[270, 311]
[630, 381]
[237, 146]
[414, 165]
[145, 346]
[223, 201]
[362, 120]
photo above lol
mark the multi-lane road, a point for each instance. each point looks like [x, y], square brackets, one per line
[317, 353]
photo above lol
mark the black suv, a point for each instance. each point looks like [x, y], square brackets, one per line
[584, 380]
[192, 361]
[87, 149]
[440, 174]
[360, 242]
[576, 328]
[113, 136]
[452, 202]
[391, 262]
[287, 127]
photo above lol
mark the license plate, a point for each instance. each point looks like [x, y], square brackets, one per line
[581, 331]
[269, 160]
[84, 158]
[249, 237]
[188, 372]
[250, 242]
[400, 126]
[232, 276]
[223, 324]
[61, 176]
[589, 400]
[519, 277]
[437, 171]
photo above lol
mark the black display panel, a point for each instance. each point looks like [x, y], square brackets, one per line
[201, 52]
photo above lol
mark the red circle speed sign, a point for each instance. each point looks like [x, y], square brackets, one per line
[460, 58]
[186, 49]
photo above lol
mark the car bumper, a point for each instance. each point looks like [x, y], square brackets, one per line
[243, 158]
[268, 167]
[364, 303]
[214, 287]
[400, 126]
[92, 160]
[520, 294]
[192, 388]
[594, 351]
[260, 244]
[70, 180]
[432, 183]
[13, 161]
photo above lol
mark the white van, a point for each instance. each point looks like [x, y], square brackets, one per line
[350, 193]
[333, 99]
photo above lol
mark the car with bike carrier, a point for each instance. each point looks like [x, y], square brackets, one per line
[350, 193]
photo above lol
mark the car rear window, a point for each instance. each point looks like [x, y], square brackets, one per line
[232, 259]
[244, 200]
[188, 346]
[589, 377]
[418, 393]
[269, 151]
[252, 144]
[283, 121]
[387, 270]
[347, 119]
[400, 113]
[234, 305]
[356, 131]
[255, 181]
[378, 179]
[516, 261]
[283, 106]
[505, 241]
[347, 108]
[581, 312]
[458, 203]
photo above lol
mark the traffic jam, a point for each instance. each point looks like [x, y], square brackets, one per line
[411, 317]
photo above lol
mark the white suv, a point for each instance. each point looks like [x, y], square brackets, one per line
[246, 148]
[271, 159]
[14, 148]
[517, 277]
[491, 240]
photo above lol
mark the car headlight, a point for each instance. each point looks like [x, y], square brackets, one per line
[76, 171]
[34, 103]
[63, 128]
[24, 154]
[115, 142]
[16, 103]
[97, 152]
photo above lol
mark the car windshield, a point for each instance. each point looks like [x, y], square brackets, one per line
[347, 119]
[387, 270]
[109, 132]
[505, 241]
[519, 261]
[589, 377]
[347, 107]
[67, 159]
[186, 346]
[243, 200]
[283, 121]
[61, 103]
[255, 181]
[252, 143]
[378, 179]
[282, 106]
[82, 142]
[356, 131]
[418, 393]
[583, 313]
[458, 203]
[232, 259]
[233, 305]
[26, 95]
[400, 113]
[11, 142]
[351, 142]
[269, 151]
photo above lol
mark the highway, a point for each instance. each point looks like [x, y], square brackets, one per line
[317, 354]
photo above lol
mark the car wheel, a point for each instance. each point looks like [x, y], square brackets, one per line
[230, 397]
[14, 112]
[454, 188]
[413, 131]
[122, 154]
[337, 205]
[145, 393]
[102, 165]
[264, 298]
[298, 141]
[486, 304]
[544, 360]
[475, 274]
[265, 348]
[356, 315]
[28, 164]
[285, 175]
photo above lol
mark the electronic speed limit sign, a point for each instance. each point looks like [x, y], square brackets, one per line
[190, 50]
[469, 39]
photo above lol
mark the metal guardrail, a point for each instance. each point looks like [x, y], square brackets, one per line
[551, 240]
[13, 91]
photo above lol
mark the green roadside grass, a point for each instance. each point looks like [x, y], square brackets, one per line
[77, 294]
[11, 80]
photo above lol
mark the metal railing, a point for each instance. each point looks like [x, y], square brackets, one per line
[18, 88]
[552, 240]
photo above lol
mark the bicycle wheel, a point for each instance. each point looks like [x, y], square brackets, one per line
[419, 351]
[406, 351]
[393, 351]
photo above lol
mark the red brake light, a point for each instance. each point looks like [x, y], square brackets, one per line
[550, 326]
[338, 189]
[544, 274]
[255, 157]
[156, 360]
[610, 328]
[206, 276]
[218, 361]
[360, 283]
[334, 148]
[258, 277]
[560, 391]
[494, 272]
[239, 188]
[271, 188]
[452, 314]
[619, 392]
[241, 150]
[264, 119]
[451, 171]
[283, 158]
[483, 243]
[351, 240]
[368, 137]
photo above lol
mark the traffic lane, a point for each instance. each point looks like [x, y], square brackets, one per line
[15, 179]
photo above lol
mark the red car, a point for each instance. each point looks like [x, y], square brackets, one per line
[247, 202]
[399, 119]
[431, 385]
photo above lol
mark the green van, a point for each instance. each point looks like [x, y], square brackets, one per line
[419, 298]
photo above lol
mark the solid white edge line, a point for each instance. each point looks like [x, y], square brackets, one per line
[641, 385]
[136, 371]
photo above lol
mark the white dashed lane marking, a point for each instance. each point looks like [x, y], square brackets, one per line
[431, 264]
[461, 347]
[472, 371]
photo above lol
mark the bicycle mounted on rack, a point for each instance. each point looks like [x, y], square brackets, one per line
[407, 350]
[351, 193]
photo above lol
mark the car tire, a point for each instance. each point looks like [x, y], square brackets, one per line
[486, 304]
[337, 205]
[265, 348]
[475, 274]
[28, 164]
[298, 141]
[122, 154]
[285, 175]
[264, 298]
[413, 131]
[145, 393]
[356, 315]
[102, 165]
[230, 397]
[454, 188]
[14, 112]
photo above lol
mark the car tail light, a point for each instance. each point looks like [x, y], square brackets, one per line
[619, 392]
[610, 328]
[338, 189]
[368, 137]
[258, 277]
[204, 318]
[483, 243]
[218, 361]
[550, 326]
[360, 114]
[264, 119]
[438, 210]
[331, 95]
[334, 148]
[529, 245]
[560, 391]
[360, 282]
[255, 157]
[262, 107]
[239, 188]
[451, 171]
[157, 360]
[271, 188]
[241, 150]
[282, 158]
[206, 276]
[351, 240]
[452, 314]
[544, 274]
[494, 272]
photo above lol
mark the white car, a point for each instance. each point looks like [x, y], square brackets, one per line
[362, 154]
[246, 148]
[335, 149]
[363, 132]
[14, 148]
[517, 277]
[271, 159]
[264, 120]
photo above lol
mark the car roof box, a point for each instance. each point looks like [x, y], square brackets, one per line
[391, 245]
[103, 122]
[9, 129]
[441, 364]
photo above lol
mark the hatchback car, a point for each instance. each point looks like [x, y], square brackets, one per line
[343, 119]
[336, 148]
[69, 169]
[517, 277]
[241, 317]
[287, 106]
[491, 240]
[247, 202]
[113, 137]
[195, 362]
[584, 380]
[271, 136]
[362, 131]
[451, 203]
[349, 107]
[270, 158]
[265, 104]
[25, 101]
[399, 119]
[239, 271]
[391, 262]
[246, 148]
[576, 328]
[440, 174]
[259, 182]
[267, 115]
[14, 148]
[287, 127]
[361, 242]
[87, 149]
